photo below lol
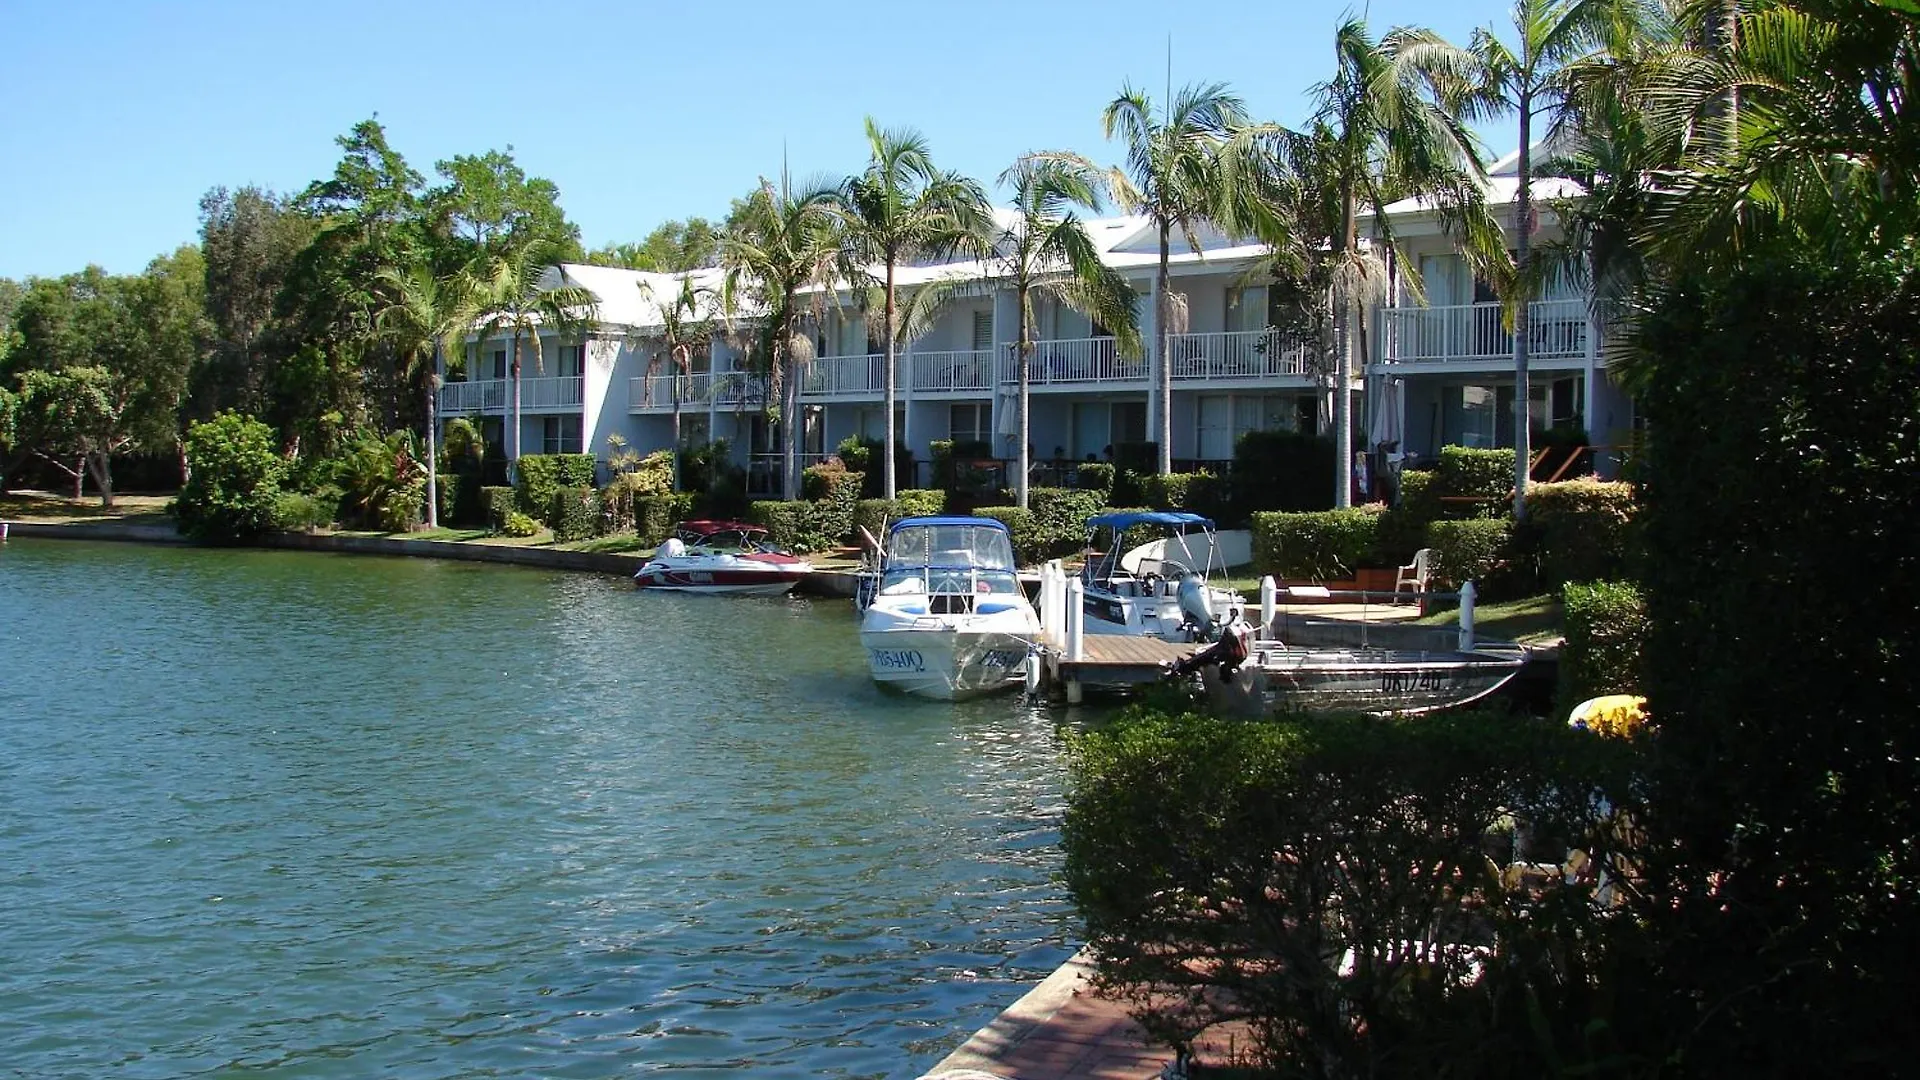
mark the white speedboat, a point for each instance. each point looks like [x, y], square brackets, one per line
[726, 557]
[1164, 589]
[949, 619]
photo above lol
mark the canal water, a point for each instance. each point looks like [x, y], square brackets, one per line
[333, 816]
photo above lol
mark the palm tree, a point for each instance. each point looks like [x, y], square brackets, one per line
[902, 208]
[421, 312]
[779, 243]
[1489, 79]
[1172, 176]
[686, 332]
[511, 288]
[1045, 250]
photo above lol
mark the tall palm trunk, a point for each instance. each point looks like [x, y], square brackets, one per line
[433, 457]
[513, 430]
[674, 476]
[887, 326]
[1343, 364]
[1024, 361]
[1522, 383]
[1163, 373]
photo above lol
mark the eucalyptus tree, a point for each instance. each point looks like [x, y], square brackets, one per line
[420, 313]
[900, 208]
[1173, 177]
[513, 291]
[687, 326]
[781, 243]
[1044, 251]
[1531, 79]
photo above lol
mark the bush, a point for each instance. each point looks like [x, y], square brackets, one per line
[447, 490]
[1181, 491]
[874, 514]
[654, 516]
[1322, 545]
[385, 487]
[1060, 519]
[648, 476]
[1605, 623]
[540, 475]
[793, 525]
[1579, 530]
[920, 502]
[519, 525]
[295, 511]
[1464, 551]
[496, 503]
[1027, 547]
[575, 514]
[235, 480]
[1282, 470]
[1483, 476]
[1094, 476]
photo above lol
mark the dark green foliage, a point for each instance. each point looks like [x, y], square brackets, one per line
[708, 470]
[793, 525]
[654, 516]
[1474, 481]
[519, 525]
[296, 511]
[467, 507]
[920, 502]
[912, 502]
[1224, 869]
[1580, 530]
[1606, 626]
[1323, 545]
[1201, 492]
[575, 514]
[1282, 470]
[1475, 550]
[1060, 519]
[834, 492]
[496, 503]
[384, 485]
[873, 515]
[1094, 476]
[540, 475]
[447, 488]
[236, 480]
[1027, 547]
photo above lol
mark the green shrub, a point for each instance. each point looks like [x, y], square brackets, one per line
[536, 479]
[1094, 476]
[1580, 530]
[1474, 550]
[793, 525]
[654, 516]
[519, 525]
[575, 514]
[1321, 545]
[384, 484]
[1282, 470]
[639, 479]
[1605, 623]
[1028, 550]
[1176, 491]
[920, 502]
[295, 511]
[708, 470]
[447, 490]
[235, 482]
[875, 514]
[465, 507]
[1479, 481]
[496, 503]
[1060, 519]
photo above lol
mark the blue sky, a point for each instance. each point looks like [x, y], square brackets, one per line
[115, 117]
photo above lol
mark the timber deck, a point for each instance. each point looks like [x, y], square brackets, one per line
[1120, 659]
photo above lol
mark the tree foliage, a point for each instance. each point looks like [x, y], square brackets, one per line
[236, 473]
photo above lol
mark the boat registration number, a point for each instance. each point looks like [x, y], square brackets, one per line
[897, 659]
[1003, 658]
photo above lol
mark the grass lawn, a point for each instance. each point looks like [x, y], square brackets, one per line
[1532, 621]
[43, 506]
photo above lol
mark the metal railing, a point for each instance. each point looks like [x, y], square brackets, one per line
[1557, 330]
[962, 369]
[652, 392]
[833, 376]
[481, 396]
[496, 395]
[1073, 360]
[1237, 354]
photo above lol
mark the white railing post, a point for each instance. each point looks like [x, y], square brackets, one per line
[1076, 619]
[1269, 605]
[1467, 593]
[1052, 589]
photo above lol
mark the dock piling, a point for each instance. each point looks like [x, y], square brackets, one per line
[1467, 593]
[1269, 605]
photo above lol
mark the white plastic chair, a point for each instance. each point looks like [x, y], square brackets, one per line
[1413, 576]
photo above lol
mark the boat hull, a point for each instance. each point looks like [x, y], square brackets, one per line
[750, 579]
[947, 664]
[1383, 681]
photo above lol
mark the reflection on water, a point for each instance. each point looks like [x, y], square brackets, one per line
[333, 816]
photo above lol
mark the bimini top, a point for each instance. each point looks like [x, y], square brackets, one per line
[1121, 521]
[921, 522]
[706, 527]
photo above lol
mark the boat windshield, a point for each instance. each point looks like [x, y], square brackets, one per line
[952, 546]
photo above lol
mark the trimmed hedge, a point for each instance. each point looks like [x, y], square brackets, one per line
[575, 514]
[1060, 518]
[834, 492]
[1473, 550]
[447, 487]
[1282, 470]
[913, 502]
[1322, 545]
[1201, 492]
[1094, 476]
[654, 516]
[1605, 622]
[1023, 525]
[496, 503]
[1580, 530]
[295, 511]
[793, 525]
[540, 475]
[1465, 473]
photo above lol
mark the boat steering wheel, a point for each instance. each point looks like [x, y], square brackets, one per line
[1151, 584]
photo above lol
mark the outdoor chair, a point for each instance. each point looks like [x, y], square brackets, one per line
[1413, 576]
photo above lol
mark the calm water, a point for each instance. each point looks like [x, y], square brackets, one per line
[308, 815]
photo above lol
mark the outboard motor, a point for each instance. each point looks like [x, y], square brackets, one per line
[1194, 609]
[1232, 650]
[671, 548]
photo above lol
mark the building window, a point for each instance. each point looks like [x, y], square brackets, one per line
[1225, 417]
[560, 435]
[1246, 308]
[567, 364]
[982, 330]
[695, 429]
[499, 363]
[969, 422]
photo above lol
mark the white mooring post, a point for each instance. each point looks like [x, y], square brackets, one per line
[1269, 606]
[1467, 593]
[1053, 630]
[1076, 619]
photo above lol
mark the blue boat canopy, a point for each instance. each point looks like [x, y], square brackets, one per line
[1123, 520]
[917, 522]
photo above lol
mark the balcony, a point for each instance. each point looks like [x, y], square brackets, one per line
[1478, 334]
[966, 371]
[1247, 356]
[844, 376]
[698, 391]
[495, 396]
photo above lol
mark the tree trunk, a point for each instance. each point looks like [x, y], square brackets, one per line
[433, 445]
[674, 477]
[790, 421]
[513, 429]
[887, 327]
[1024, 349]
[1522, 382]
[1163, 371]
[100, 464]
[1343, 365]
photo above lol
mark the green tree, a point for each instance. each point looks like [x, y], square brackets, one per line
[235, 479]
[422, 313]
[672, 247]
[1044, 250]
[688, 323]
[488, 207]
[523, 292]
[902, 208]
[1173, 177]
[249, 239]
[779, 242]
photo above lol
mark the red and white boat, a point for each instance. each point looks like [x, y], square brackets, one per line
[721, 557]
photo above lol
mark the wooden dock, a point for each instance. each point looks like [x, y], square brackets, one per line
[1115, 660]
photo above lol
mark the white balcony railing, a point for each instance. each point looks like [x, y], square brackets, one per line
[969, 369]
[484, 396]
[554, 392]
[835, 376]
[496, 395]
[656, 392]
[1240, 354]
[1478, 332]
[1074, 360]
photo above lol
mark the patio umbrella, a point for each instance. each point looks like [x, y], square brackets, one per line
[1385, 421]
